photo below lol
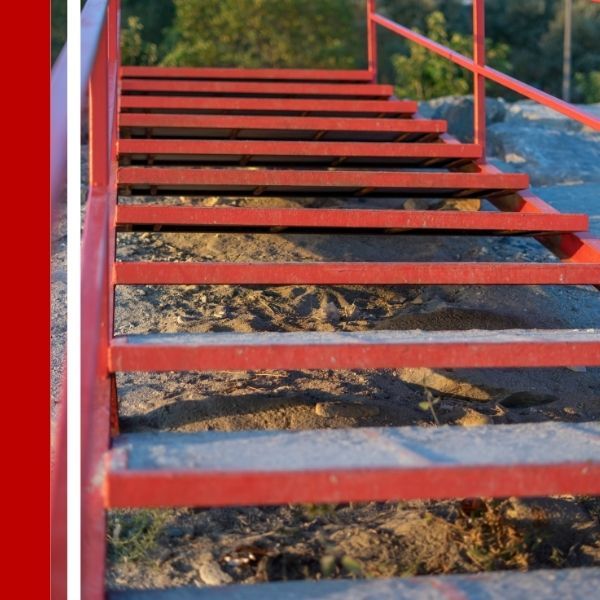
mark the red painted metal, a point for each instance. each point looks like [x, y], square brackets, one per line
[58, 500]
[342, 273]
[240, 180]
[58, 136]
[511, 83]
[240, 74]
[213, 88]
[164, 89]
[443, 350]
[348, 218]
[277, 105]
[96, 301]
[282, 123]
[573, 247]
[371, 41]
[479, 125]
[275, 148]
[131, 489]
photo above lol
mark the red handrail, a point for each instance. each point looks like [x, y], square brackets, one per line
[480, 70]
[99, 80]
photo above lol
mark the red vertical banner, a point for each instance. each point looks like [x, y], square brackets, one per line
[25, 299]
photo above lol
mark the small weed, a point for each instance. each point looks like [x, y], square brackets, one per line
[133, 534]
[429, 404]
[490, 541]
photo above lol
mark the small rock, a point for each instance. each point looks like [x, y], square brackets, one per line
[416, 204]
[332, 312]
[472, 418]
[526, 400]
[211, 574]
[577, 369]
[183, 319]
[345, 409]
[462, 204]
[219, 312]
[418, 300]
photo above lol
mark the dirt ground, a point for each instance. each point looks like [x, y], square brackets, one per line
[206, 547]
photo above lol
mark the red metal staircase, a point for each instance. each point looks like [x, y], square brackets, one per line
[228, 132]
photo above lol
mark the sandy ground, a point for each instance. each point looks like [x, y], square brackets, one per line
[207, 547]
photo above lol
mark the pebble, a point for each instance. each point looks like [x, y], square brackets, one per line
[416, 204]
[473, 419]
[345, 409]
[332, 312]
[212, 574]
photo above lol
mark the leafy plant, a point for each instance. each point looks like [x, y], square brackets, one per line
[422, 74]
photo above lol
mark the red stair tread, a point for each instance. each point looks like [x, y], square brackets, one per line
[351, 219]
[362, 464]
[238, 149]
[288, 181]
[355, 273]
[265, 105]
[544, 584]
[241, 74]
[355, 350]
[288, 125]
[350, 90]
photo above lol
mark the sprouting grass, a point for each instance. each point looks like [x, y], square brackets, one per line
[133, 534]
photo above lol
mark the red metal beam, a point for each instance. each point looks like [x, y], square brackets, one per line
[376, 107]
[492, 74]
[572, 247]
[138, 489]
[280, 179]
[348, 218]
[281, 123]
[355, 273]
[364, 350]
[322, 75]
[363, 90]
[273, 148]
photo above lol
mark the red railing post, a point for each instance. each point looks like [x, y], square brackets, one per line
[99, 129]
[371, 40]
[479, 133]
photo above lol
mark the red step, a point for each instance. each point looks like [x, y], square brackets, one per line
[543, 584]
[285, 126]
[242, 468]
[355, 273]
[396, 108]
[350, 219]
[285, 182]
[322, 75]
[243, 88]
[294, 151]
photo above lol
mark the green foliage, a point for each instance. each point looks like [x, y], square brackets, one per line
[266, 33]
[134, 49]
[423, 75]
[527, 36]
[58, 27]
[585, 50]
[587, 86]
